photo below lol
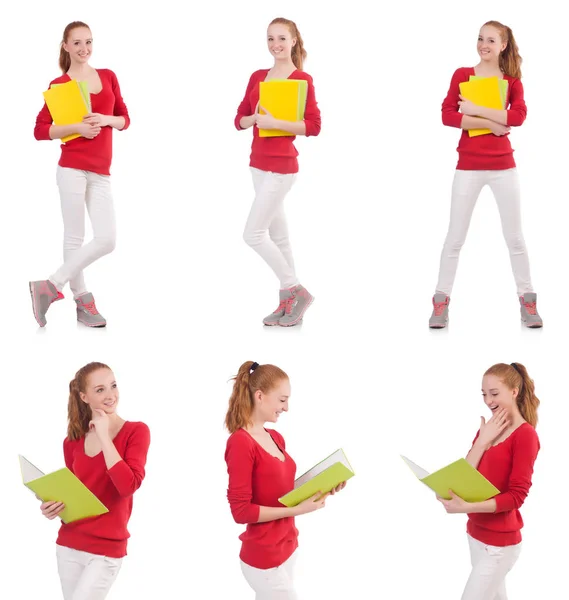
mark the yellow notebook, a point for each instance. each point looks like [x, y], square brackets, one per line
[460, 477]
[62, 486]
[285, 99]
[67, 105]
[483, 92]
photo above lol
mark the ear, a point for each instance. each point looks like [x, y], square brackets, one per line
[258, 396]
[515, 393]
[83, 397]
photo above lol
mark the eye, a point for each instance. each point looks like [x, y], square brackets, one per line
[114, 385]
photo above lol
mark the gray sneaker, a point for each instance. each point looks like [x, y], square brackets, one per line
[295, 306]
[274, 317]
[439, 317]
[87, 312]
[528, 310]
[43, 294]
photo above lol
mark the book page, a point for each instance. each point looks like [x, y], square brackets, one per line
[337, 457]
[29, 471]
[419, 471]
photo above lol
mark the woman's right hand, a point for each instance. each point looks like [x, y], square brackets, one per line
[498, 128]
[51, 509]
[88, 131]
[311, 504]
[495, 426]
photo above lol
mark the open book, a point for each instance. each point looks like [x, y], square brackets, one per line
[67, 104]
[62, 486]
[460, 477]
[285, 99]
[324, 477]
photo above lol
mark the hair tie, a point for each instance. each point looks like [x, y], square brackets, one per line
[253, 367]
[515, 367]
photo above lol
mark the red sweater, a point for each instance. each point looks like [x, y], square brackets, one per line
[256, 478]
[89, 155]
[277, 154]
[107, 534]
[509, 466]
[484, 152]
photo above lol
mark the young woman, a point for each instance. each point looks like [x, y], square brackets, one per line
[260, 472]
[486, 160]
[83, 176]
[274, 166]
[108, 454]
[504, 451]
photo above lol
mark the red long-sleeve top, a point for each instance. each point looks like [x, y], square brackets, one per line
[256, 478]
[508, 466]
[107, 534]
[81, 153]
[484, 152]
[277, 154]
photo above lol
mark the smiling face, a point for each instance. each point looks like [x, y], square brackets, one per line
[101, 391]
[497, 395]
[280, 41]
[79, 45]
[490, 44]
[268, 406]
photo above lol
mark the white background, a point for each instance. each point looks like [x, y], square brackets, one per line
[184, 296]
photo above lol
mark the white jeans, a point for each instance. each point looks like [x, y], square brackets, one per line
[466, 188]
[80, 189]
[85, 576]
[272, 584]
[266, 230]
[490, 565]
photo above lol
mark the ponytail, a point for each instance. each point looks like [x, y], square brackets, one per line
[510, 60]
[78, 412]
[64, 58]
[298, 53]
[250, 378]
[515, 376]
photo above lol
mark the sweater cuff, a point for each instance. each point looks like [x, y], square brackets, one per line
[503, 503]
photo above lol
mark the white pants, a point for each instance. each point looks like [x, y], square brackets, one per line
[266, 230]
[490, 565]
[85, 576]
[272, 584]
[80, 189]
[466, 188]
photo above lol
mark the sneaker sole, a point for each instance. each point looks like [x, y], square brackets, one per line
[292, 324]
[92, 324]
[438, 326]
[532, 325]
[35, 308]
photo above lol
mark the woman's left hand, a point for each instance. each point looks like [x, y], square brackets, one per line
[266, 121]
[96, 119]
[455, 504]
[468, 108]
[99, 423]
[338, 488]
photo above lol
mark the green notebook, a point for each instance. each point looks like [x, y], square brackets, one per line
[503, 83]
[84, 87]
[460, 477]
[324, 477]
[62, 486]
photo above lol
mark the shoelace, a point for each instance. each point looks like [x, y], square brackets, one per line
[90, 306]
[531, 307]
[439, 307]
[279, 307]
[289, 304]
